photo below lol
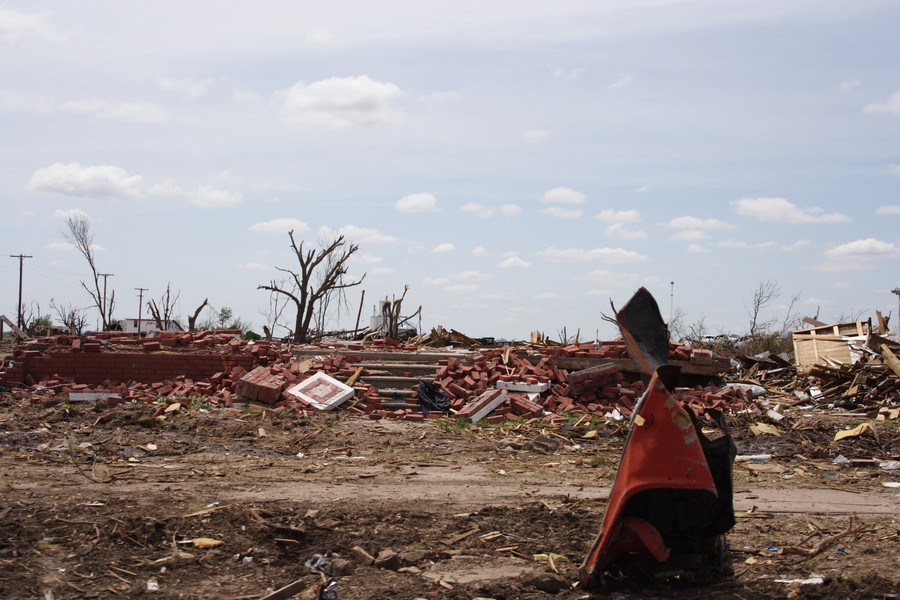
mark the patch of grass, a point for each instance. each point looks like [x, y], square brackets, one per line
[584, 420]
[455, 426]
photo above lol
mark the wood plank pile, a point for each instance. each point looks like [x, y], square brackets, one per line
[871, 382]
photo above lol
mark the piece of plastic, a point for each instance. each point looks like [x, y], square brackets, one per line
[431, 397]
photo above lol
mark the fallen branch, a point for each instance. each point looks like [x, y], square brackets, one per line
[854, 527]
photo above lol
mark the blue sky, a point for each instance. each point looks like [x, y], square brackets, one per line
[517, 164]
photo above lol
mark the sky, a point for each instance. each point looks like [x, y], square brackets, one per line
[520, 165]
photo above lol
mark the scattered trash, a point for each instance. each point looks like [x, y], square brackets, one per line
[764, 429]
[856, 431]
[432, 398]
[891, 465]
[840, 459]
[812, 580]
[152, 585]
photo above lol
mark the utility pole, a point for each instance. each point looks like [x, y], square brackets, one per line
[104, 276]
[140, 306]
[21, 316]
[897, 292]
[671, 300]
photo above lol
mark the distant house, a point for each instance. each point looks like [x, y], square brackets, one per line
[147, 326]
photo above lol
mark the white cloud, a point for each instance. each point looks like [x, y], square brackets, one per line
[610, 256]
[563, 195]
[572, 74]
[888, 210]
[696, 249]
[858, 255]
[479, 210]
[559, 212]
[323, 36]
[63, 246]
[462, 288]
[780, 210]
[436, 281]
[470, 276]
[622, 82]
[358, 235]
[535, 135]
[246, 98]
[73, 179]
[207, 196]
[619, 216]
[894, 168]
[549, 296]
[618, 219]
[869, 248]
[485, 212]
[444, 248]
[370, 259]
[479, 251]
[192, 88]
[383, 271]
[76, 213]
[131, 112]
[417, 203]
[513, 261]
[620, 231]
[690, 235]
[438, 99]
[891, 105]
[687, 222]
[850, 85]
[341, 103]
[643, 189]
[279, 226]
[18, 27]
[12, 101]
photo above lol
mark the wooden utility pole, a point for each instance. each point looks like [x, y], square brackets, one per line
[140, 306]
[21, 317]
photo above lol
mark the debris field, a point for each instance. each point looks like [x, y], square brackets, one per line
[206, 466]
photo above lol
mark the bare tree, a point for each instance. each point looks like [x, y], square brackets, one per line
[334, 298]
[763, 296]
[79, 234]
[163, 317]
[274, 312]
[321, 271]
[71, 317]
[390, 315]
[192, 320]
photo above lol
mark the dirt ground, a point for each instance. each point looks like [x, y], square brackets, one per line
[110, 501]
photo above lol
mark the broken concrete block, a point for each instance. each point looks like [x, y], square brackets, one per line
[322, 391]
[481, 406]
[518, 386]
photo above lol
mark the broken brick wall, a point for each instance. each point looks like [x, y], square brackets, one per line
[97, 367]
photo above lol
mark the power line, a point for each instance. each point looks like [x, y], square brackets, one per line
[21, 257]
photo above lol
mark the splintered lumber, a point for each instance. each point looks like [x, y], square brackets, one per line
[891, 359]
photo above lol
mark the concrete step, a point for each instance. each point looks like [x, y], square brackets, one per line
[418, 370]
[384, 382]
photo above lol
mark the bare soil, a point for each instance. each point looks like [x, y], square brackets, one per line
[110, 501]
